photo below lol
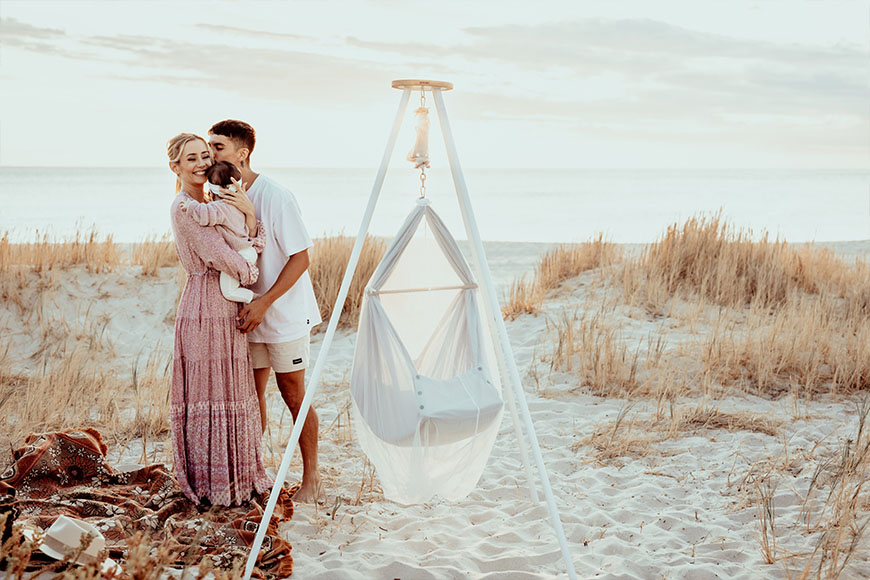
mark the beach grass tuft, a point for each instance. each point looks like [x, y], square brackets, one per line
[154, 253]
[46, 252]
[557, 265]
[329, 259]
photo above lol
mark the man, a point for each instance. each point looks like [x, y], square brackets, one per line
[278, 322]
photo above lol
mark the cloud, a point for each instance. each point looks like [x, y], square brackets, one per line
[221, 29]
[15, 30]
[269, 73]
[629, 45]
[663, 70]
[659, 78]
[28, 37]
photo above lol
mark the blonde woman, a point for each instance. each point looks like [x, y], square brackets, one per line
[215, 414]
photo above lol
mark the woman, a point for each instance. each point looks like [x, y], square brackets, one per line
[215, 413]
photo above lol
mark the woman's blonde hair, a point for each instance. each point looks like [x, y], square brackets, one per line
[175, 146]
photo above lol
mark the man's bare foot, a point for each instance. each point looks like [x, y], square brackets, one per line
[310, 492]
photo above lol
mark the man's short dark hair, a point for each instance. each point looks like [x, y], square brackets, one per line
[239, 131]
[222, 173]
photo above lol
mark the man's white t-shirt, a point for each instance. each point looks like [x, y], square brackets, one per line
[292, 315]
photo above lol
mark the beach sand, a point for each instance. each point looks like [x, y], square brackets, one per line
[682, 509]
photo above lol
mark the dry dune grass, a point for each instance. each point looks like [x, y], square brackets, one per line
[19, 263]
[16, 283]
[95, 253]
[150, 387]
[47, 252]
[706, 258]
[85, 393]
[557, 265]
[329, 259]
[590, 347]
[834, 513]
[631, 436]
[705, 418]
[69, 353]
[837, 505]
[806, 326]
[154, 253]
[805, 346]
[791, 320]
[726, 267]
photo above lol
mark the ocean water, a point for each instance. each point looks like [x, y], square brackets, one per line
[627, 206]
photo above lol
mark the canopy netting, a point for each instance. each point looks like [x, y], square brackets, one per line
[426, 401]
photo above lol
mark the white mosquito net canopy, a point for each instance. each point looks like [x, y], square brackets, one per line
[425, 391]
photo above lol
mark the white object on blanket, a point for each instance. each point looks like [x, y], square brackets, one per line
[419, 155]
[66, 536]
[231, 288]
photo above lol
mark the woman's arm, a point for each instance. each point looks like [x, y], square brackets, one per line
[210, 246]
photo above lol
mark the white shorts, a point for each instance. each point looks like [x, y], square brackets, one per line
[283, 357]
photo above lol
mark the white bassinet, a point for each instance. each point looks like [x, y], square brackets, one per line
[427, 404]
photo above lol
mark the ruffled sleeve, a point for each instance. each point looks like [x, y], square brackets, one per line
[206, 214]
[259, 241]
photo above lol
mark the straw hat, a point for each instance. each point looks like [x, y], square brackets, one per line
[66, 536]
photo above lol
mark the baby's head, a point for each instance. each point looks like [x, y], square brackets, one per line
[221, 174]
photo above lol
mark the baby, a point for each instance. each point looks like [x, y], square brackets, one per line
[228, 220]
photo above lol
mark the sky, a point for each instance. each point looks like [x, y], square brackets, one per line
[628, 84]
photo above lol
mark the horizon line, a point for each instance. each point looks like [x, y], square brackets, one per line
[321, 167]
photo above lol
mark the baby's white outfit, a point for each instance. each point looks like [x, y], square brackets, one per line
[230, 222]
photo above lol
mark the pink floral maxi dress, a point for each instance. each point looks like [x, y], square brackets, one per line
[214, 413]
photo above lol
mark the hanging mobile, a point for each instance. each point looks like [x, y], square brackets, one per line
[419, 155]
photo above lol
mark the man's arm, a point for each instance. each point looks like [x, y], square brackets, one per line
[252, 314]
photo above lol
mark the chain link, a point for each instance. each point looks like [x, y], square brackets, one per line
[422, 168]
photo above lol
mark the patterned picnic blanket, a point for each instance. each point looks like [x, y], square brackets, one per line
[67, 473]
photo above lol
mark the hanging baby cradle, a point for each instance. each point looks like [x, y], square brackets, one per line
[427, 404]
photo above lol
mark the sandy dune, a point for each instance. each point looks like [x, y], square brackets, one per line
[681, 509]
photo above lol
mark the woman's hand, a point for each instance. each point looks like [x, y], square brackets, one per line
[240, 200]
